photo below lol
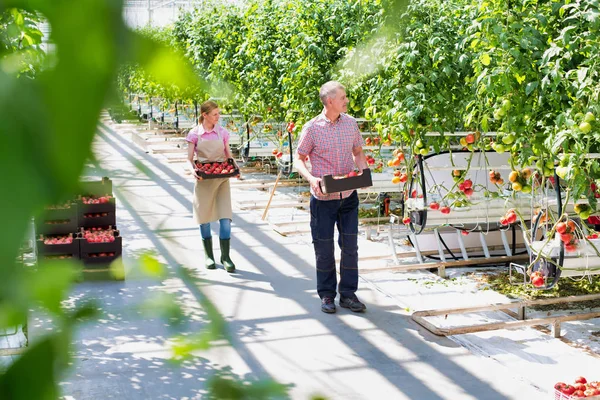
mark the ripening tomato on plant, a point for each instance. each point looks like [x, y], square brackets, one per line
[561, 228]
[434, 205]
[538, 281]
[571, 247]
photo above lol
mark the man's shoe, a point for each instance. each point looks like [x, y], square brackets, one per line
[352, 303]
[327, 305]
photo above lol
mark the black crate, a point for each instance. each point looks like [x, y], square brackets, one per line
[109, 207]
[71, 249]
[53, 214]
[85, 247]
[96, 188]
[204, 175]
[92, 221]
[57, 221]
[91, 262]
[56, 227]
[331, 185]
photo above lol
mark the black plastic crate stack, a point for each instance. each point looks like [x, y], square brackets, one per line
[56, 232]
[97, 213]
[61, 231]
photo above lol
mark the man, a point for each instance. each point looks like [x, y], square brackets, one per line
[333, 143]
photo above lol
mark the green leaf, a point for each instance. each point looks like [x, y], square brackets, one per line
[484, 123]
[520, 78]
[151, 267]
[485, 59]
[531, 86]
[19, 383]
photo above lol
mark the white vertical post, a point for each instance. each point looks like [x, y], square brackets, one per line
[486, 251]
[392, 244]
[416, 246]
[149, 12]
[461, 243]
[505, 243]
[439, 245]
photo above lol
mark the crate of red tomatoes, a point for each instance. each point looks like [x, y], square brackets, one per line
[57, 246]
[100, 245]
[212, 170]
[350, 181]
[580, 389]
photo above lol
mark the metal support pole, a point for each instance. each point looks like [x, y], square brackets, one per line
[486, 251]
[391, 240]
[149, 12]
[439, 245]
[413, 237]
[505, 243]
[461, 243]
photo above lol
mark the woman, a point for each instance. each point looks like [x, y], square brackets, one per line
[212, 197]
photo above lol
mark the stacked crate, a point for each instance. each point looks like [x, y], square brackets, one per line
[56, 231]
[83, 229]
[100, 242]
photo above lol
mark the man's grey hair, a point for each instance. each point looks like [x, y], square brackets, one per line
[329, 90]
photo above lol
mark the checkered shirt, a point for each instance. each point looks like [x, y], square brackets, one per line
[329, 146]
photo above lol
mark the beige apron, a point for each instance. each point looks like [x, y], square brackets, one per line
[212, 197]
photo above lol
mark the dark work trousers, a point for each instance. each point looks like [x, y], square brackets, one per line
[324, 216]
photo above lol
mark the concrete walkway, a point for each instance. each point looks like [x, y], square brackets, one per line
[277, 329]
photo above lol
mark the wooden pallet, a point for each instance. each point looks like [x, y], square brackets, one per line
[555, 321]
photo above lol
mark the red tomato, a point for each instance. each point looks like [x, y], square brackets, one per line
[445, 210]
[580, 379]
[537, 281]
[568, 389]
[511, 217]
[566, 238]
[434, 206]
[570, 247]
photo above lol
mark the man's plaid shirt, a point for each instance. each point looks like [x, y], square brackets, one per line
[329, 146]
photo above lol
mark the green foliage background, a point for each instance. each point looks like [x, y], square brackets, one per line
[526, 70]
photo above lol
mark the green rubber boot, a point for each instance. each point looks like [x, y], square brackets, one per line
[209, 258]
[225, 260]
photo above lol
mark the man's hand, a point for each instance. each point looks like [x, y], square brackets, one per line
[315, 184]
